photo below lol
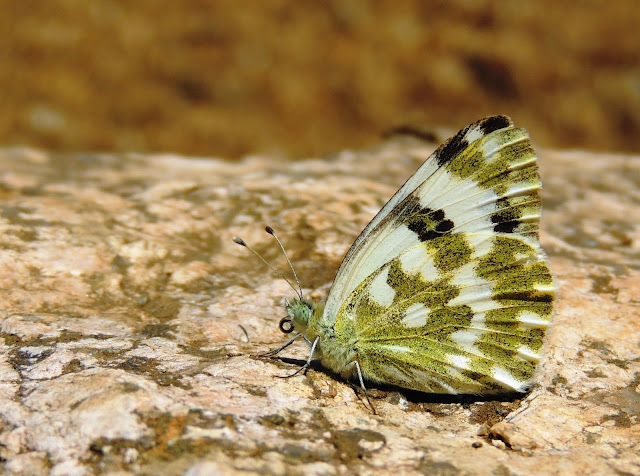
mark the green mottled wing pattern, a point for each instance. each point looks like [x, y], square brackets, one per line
[447, 289]
[457, 314]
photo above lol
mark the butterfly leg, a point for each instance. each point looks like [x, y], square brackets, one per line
[364, 389]
[306, 366]
[273, 352]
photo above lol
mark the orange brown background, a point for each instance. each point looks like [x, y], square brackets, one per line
[301, 78]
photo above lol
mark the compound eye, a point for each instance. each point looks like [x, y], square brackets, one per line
[286, 325]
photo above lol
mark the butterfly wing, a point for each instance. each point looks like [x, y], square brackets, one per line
[470, 215]
[462, 313]
[452, 162]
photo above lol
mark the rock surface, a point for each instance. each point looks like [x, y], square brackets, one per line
[130, 321]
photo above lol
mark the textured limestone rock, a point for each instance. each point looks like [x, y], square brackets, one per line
[130, 321]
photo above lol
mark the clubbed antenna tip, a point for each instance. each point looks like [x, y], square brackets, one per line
[239, 241]
[269, 230]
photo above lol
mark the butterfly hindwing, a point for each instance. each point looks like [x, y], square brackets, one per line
[459, 313]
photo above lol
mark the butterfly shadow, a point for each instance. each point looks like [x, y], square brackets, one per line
[418, 397]
[313, 365]
[382, 391]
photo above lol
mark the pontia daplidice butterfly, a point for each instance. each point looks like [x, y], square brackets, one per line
[447, 289]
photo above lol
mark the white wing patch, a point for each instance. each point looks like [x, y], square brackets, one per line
[466, 339]
[528, 354]
[531, 320]
[459, 361]
[481, 243]
[507, 380]
[473, 135]
[380, 292]
[419, 260]
[474, 291]
[415, 316]
[544, 288]
[402, 349]
[380, 249]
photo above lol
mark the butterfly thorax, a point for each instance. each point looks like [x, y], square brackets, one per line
[336, 349]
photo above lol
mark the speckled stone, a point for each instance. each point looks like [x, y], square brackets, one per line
[130, 322]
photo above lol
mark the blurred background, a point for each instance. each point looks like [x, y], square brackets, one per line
[304, 78]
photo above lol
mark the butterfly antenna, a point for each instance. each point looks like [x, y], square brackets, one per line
[269, 230]
[241, 242]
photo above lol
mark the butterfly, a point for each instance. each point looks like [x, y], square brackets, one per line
[447, 289]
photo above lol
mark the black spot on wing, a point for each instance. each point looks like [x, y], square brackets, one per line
[443, 226]
[422, 230]
[452, 148]
[506, 226]
[494, 123]
[506, 218]
[437, 215]
[427, 223]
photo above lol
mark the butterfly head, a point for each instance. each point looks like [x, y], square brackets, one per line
[299, 313]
